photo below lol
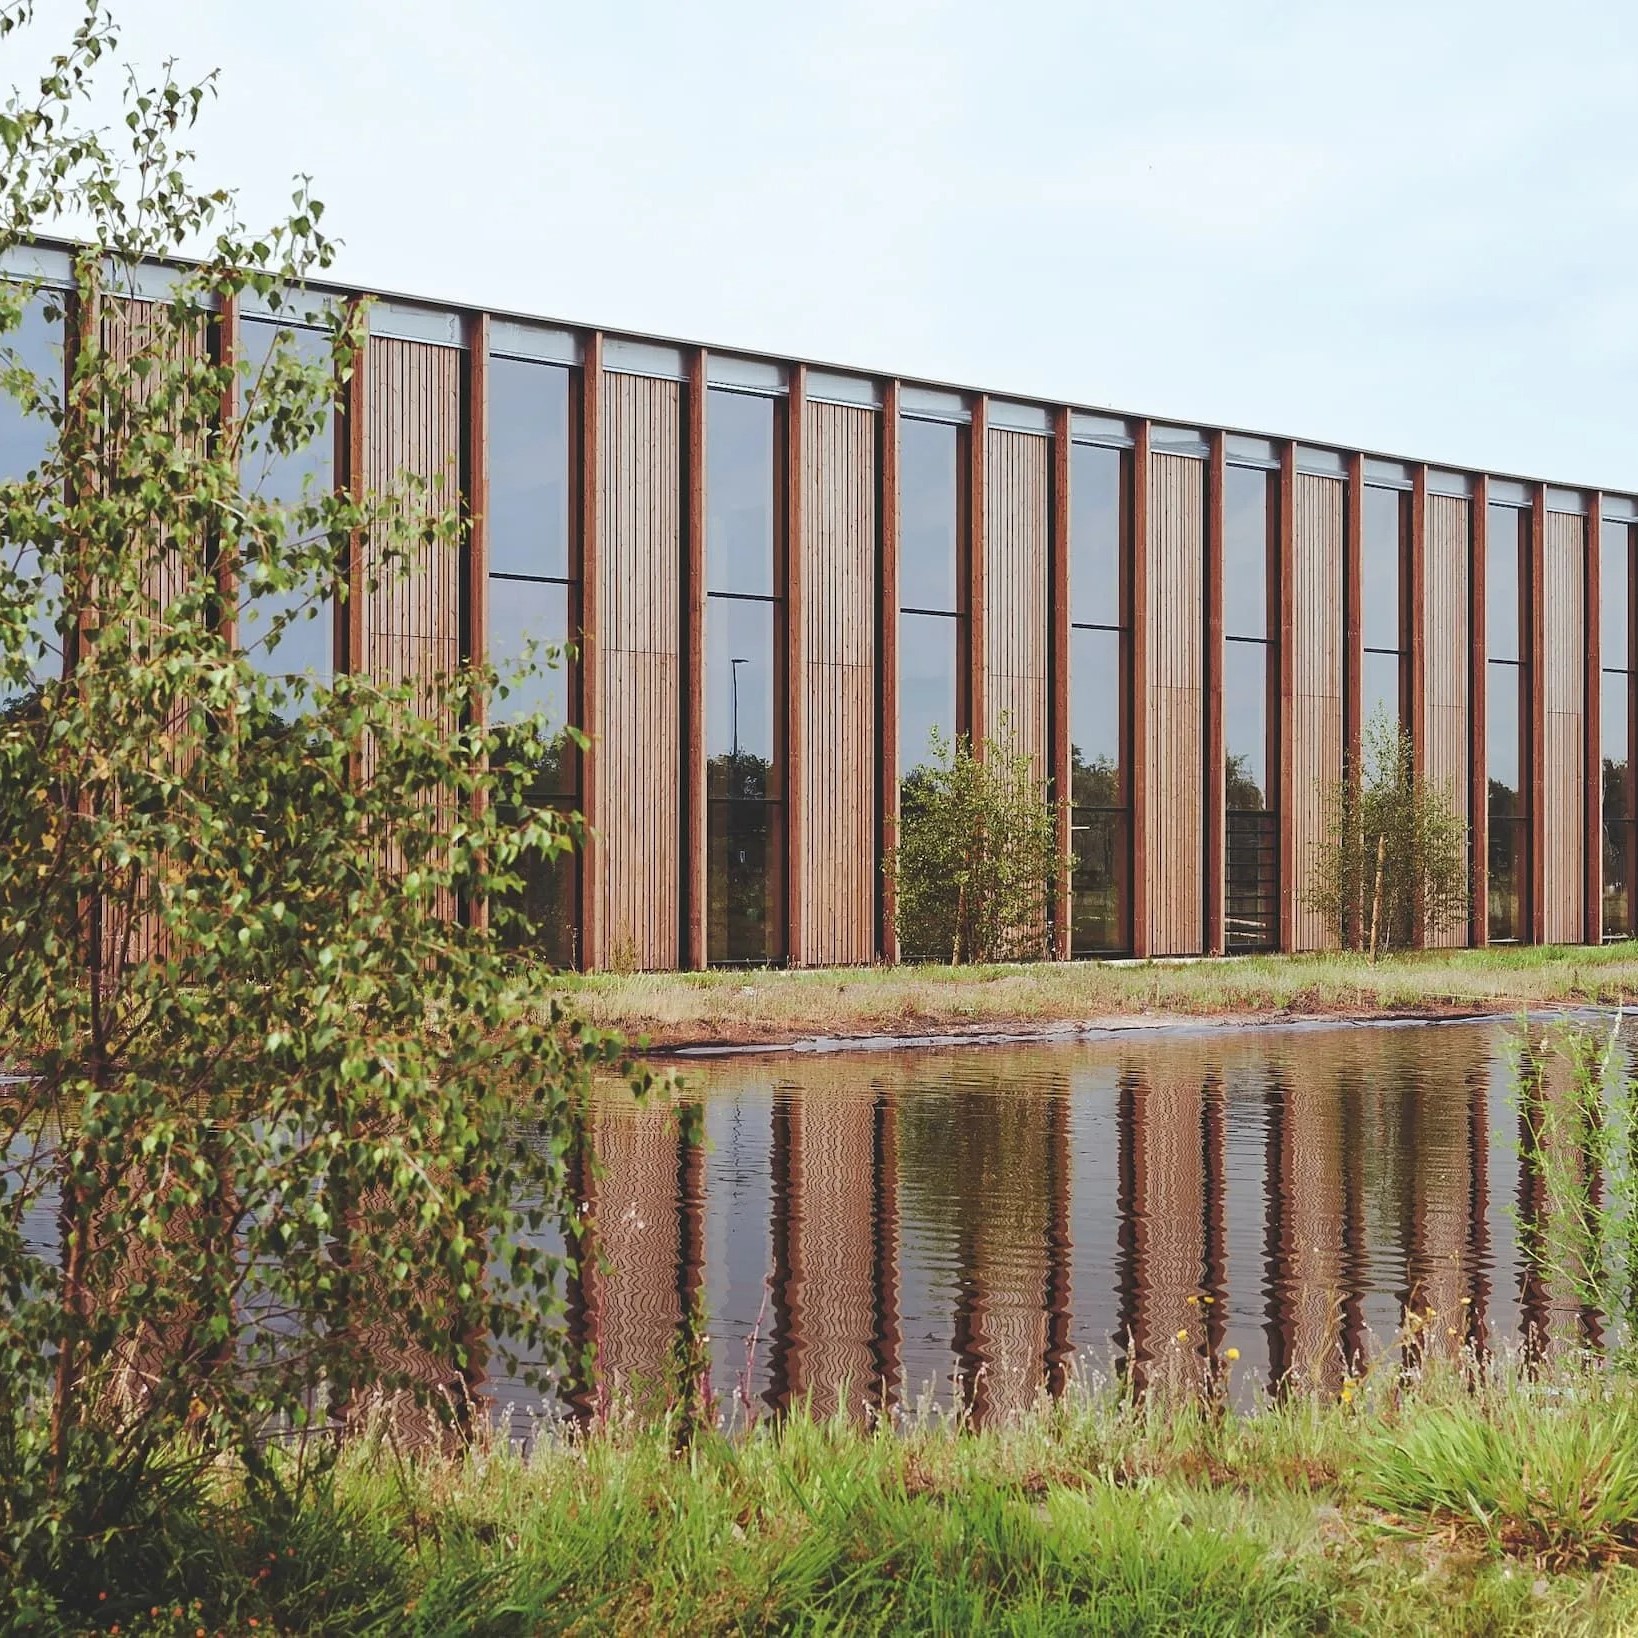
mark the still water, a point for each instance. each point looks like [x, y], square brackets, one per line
[976, 1224]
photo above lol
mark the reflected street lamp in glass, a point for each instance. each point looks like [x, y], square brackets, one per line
[733, 673]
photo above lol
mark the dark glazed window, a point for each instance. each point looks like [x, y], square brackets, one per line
[932, 600]
[1615, 722]
[1250, 662]
[1383, 552]
[534, 601]
[1507, 697]
[306, 645]
[25, 440]
[744, 824]
[1098, 702]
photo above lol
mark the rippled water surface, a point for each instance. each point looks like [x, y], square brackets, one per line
[976, 1222]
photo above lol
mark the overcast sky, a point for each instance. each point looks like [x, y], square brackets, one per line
[1411, 227]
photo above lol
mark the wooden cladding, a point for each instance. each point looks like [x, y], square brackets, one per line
[838, 684]
[411, 611]
[1314, 767]
[637, 652]
[1563, 703]
[1442, 731]
[1173, 764]
[1017, 508]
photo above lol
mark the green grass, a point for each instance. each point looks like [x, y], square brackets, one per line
[1510, 1508]
[767, 1006]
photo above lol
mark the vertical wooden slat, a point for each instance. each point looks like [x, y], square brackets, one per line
[1285, 792]
[1479, 790]
[1592, 757]
[1353, 547]
[1058, 652]
[796, 649]
[1417, 714]
[591, 648]
[888, 662]
[1215, 768]
[350, 445]
[976, 532]
[1140, 547]
[1536, 653]
[695, 821]
[1564, 774]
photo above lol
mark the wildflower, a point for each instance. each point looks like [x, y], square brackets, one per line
[1182, 1336]
[1231, 1354]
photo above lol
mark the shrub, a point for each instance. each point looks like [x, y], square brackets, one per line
[1394, 858]
[279, 1100]
[977, 851]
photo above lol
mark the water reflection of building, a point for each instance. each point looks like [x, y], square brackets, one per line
[1310, 1199]
[639, 1253]
[835, 1240]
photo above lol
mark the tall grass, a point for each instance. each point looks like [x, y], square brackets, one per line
[1446, 1504]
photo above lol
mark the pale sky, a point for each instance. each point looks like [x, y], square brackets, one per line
[1407, 227]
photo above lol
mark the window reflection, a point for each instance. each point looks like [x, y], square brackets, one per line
[744, 817]
[930, 517]
[1096, 529]
[1507, 679]
[928, 685]
[533, 607]
[25, 441]
[305, 647]
[932, 607]
[1250, 671]
[1383, 550]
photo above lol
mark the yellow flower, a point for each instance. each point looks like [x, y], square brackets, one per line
[1182, 1336]
[1231, 1354]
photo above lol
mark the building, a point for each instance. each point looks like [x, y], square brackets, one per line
[784, 573]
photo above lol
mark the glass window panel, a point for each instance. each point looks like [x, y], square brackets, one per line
[1507, 863]
[1098, 904]
[1245, 724]
[1095, 716]
[541, 917]
[1247, 508]
[1251, 878]
[24, 442]
[929, 516]
[1381, 567]
[1503, 749]
[306, 645]
[1619, 835]
[529, 484]
[739, 494]
[1096, 489]
[1379, 688]
[741, 750]
[927, 684]
[743, 881]
[38, 346]
[1614, 704]
[522, 612]
[1614, 567]
[1505, 528]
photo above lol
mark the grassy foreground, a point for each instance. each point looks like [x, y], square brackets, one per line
[1509, 1509]
[768, 1006]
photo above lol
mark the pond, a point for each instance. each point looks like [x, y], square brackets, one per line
[974, 1225]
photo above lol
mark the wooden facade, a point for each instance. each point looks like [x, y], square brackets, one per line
[838, 684]
[418, 407]
[1175, 685]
